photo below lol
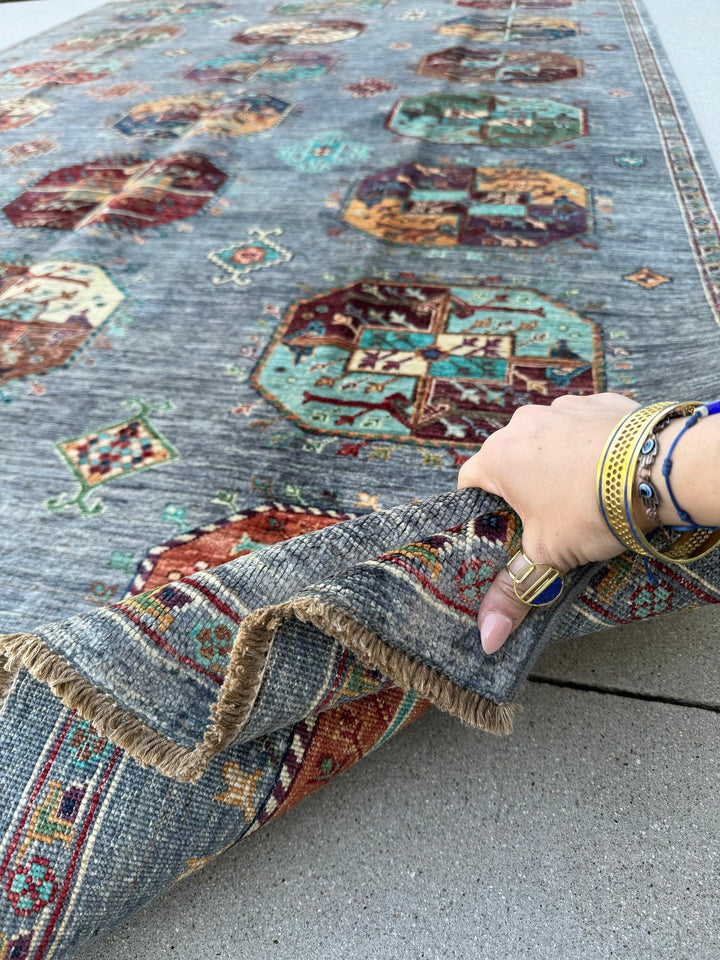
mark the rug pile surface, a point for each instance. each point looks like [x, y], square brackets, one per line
[269, 274]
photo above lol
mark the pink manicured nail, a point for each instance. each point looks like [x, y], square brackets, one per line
[495, 628]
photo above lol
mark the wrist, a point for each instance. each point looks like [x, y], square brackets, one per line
[695, 460]
[632, 447]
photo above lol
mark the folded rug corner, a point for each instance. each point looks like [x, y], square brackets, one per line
[175, 674]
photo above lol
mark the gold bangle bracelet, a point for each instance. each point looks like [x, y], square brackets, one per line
[616, 474]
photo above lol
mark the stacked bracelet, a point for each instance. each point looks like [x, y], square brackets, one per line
[646, 490]
[706, 410]
[616, 479]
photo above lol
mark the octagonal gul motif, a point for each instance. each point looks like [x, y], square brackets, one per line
[464, 65]
[261, 66]
[425, 363]
[21, 110]
[196, 8]
[41, 73]
[301, 31]
[513, 4]
[310, 8]
[149, 12]
[501, 29]
[449, 206]
[489, 120]
[118, 39]
[122, 191]
[144, 13]
[48, 312]
[213, 114]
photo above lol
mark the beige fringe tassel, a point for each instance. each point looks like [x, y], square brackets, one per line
[245, 674]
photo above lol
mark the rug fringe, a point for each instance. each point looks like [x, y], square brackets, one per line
[468, 706]
[6, 677]
[149, 748]
[249, 657]
[246, 670]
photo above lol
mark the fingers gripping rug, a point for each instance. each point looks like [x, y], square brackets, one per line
[269, 274]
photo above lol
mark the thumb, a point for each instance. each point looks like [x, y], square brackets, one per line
[501, 611]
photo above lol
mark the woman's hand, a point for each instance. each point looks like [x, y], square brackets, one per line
[544, 464]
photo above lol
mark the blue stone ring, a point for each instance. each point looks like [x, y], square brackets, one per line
[536, 584]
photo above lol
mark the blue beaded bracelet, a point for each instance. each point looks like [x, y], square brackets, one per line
[706, 410]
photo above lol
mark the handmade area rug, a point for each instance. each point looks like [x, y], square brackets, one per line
[270, 273]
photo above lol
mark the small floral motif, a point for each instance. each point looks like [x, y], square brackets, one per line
[323, 152]
[432, 458]
[473, 578]
[256, 252]
[380, 453]
[20, 152]
[629, 160]
[246, 544]
[240, 789]
[197, 863]
[369, 87]
[328, 768]
[100, 593]
[368, 500]
[31, 887]
[213, 642]
[122, 561]
[261, 485]
[87, 746]
[650, 600]
[115, 451]
[174, 513]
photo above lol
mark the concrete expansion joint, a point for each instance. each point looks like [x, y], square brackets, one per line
[628, 694]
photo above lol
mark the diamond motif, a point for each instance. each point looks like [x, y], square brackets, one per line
[647, 278]
[247, 256]
[111, 452]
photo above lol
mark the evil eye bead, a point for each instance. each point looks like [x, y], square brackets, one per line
[646, 491]
[650, 446]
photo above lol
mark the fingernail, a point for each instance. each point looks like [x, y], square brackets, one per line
[495, 628]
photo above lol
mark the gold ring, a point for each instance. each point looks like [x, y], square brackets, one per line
[537, 591]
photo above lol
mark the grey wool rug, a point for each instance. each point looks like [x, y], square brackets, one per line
[269, 274]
